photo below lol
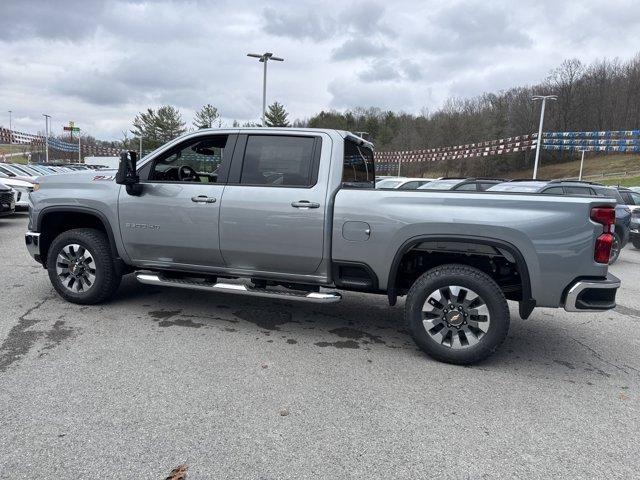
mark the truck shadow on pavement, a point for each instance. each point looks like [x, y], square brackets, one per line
[542, 347]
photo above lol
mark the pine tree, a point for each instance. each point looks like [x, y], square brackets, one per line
[158, 127]
[207, 117]
[276, 116]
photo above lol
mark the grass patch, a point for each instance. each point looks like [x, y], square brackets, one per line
[623, 182]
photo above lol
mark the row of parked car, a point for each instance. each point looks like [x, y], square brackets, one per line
[627, 210]
[17, 180]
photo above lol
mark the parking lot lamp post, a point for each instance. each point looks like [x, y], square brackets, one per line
[46, 136]
[264, 58]
[79, 154]
[10, 137]
[581, 164]
[140, 140]
[544, 99]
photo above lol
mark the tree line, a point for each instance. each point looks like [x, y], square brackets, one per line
[604, 95]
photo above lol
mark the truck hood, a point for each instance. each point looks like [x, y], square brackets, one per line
[82, 176]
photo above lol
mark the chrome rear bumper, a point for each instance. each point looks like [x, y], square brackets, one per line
[592, 295]
[32, 240]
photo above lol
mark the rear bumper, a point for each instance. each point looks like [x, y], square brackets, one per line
[32, 240]
[592, 295]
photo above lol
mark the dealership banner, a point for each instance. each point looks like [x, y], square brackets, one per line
[38, 141]
[625, 141]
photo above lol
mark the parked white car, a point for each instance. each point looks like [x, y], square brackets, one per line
[11, 171]
[21, 187]
[402, 183]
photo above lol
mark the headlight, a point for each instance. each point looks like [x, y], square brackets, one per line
[36, 187]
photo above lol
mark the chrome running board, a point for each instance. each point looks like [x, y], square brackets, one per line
[151, 278]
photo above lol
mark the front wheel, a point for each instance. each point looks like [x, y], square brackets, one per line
[457, 314]
[636, 243]
[81, 267]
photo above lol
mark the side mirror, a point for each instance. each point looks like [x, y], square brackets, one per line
[127, 174]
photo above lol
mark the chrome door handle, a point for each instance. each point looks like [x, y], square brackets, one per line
[305, 204]
[203, 199]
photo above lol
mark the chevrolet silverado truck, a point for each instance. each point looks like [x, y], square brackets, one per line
[293, 214]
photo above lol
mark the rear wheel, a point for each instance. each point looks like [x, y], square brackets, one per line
[457, 314]
[636, 243]
[81, 268]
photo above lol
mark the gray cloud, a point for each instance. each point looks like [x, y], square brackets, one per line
[472, 26]
[380, 71]
[299, 24]
[100, 63]
[64, 19]
[356, 48]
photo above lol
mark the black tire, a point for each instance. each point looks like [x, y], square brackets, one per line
[469, 278]
[636, 243]
[616, 249]
[106, 278]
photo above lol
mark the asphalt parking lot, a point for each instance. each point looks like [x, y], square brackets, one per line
[250, 388]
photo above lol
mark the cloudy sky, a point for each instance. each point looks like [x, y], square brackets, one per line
[99, 63]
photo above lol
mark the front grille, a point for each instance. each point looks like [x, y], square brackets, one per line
[6, 198]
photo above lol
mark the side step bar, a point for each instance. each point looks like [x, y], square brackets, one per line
[151, 278]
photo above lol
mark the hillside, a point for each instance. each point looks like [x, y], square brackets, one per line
[603, 166]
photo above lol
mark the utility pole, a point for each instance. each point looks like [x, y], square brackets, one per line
[539, 140]
[264, 58]
[140, 155]
[46, 136]
[79, 154]
[10, 136]
[581, 164]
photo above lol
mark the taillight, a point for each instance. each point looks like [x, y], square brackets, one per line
[606, 216]
[602, 251]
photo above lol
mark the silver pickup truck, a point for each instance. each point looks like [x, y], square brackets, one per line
[293, 214]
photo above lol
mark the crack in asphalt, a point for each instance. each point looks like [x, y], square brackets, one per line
[601, 358]
[21, 339]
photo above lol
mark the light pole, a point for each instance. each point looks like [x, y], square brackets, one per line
[10, 136]
[544, 101]
[264, 58]
[140, 156]
[46, 136]
[581, 165]
[79, 154]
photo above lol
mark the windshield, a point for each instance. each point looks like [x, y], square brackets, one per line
[388, 183]
[440, 185]
[517, 187]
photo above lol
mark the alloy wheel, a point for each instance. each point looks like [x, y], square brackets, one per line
[76, 268]
[455, 317]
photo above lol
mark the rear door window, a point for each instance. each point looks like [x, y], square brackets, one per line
[554, 191]
[635, 197]
[569, 190]
[467, 187]
[410, 185]
[280, 161]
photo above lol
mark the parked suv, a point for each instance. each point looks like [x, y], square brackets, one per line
[572, 187]
[631, 198]
[7, 201]
[462, 184]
